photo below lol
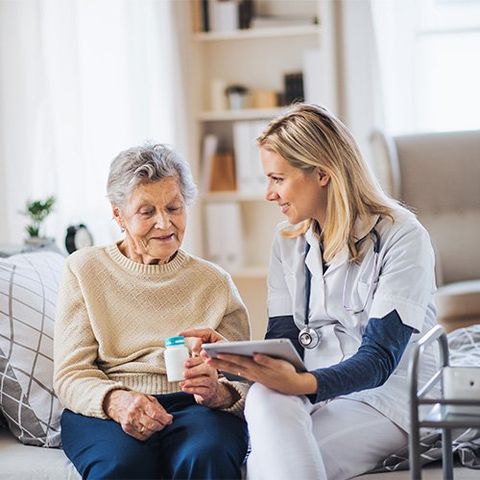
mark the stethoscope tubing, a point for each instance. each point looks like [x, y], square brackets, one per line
[349, 308]
[371, 287]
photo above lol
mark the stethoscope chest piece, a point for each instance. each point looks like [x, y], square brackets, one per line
[309, 337]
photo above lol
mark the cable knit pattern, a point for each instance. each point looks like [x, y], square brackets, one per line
[113, 315]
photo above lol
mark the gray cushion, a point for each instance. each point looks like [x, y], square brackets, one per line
[28, 292]
[437, 174]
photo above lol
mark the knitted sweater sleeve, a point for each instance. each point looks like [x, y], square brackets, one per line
[235, 325]
[80, 385]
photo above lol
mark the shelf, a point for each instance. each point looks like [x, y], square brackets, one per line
[231, 197]
[439, 417]
[245, 114]
[255, 33]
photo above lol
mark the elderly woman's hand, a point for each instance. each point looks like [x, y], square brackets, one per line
[139, 415]
[203, 335]
[201, 381]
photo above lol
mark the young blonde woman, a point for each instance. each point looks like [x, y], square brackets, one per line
[350, 282]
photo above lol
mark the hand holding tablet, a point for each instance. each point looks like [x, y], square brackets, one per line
[281, 348]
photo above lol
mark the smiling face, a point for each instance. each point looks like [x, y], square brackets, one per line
[301, 195]
[154, 220]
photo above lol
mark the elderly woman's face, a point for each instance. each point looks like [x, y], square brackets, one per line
[154, 219]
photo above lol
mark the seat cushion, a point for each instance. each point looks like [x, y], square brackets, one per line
[22, 462]
[458, 304]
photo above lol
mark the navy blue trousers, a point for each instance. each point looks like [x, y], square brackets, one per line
[201, 443]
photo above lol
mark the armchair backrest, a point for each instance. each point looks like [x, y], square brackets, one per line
[438, 175]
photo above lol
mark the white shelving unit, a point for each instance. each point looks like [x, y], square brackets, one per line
[231, 196]
[258, 59]
[287, 31]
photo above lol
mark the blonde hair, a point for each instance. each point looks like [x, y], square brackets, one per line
[310, 137]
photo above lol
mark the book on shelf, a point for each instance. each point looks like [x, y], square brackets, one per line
[245, 13]
[249, 172]
[293, 84]
[222, 176]
[224, 234]
[221, 15]
[197, 16]
[210, 146]
[218, 168]
[205, 9]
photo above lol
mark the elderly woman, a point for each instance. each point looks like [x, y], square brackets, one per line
[116, 305]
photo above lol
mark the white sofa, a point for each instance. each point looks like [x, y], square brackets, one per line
[22, 462]
[21, 279]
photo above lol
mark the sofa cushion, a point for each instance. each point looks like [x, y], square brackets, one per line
[28, 292]
[460, 299]
[458, 304]
[23, 462]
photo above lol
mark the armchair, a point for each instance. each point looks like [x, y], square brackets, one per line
[438, 175]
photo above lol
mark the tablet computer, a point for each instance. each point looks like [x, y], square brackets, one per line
[277, 348]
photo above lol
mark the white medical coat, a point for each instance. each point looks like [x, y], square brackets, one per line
[406, 283]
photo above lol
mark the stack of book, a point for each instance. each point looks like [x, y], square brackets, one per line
[222, 15]
[249, 173]
[218, 174]
[293, 87]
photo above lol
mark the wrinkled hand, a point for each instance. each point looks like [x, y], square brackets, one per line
[204, 335]
[138, 414]
[201, 381]
[276, 374]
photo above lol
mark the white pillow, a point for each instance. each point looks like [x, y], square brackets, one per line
[28, 293]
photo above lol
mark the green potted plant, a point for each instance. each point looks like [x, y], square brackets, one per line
[37, 211]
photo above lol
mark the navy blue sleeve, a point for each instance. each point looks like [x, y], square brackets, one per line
[383, 344]
[284, 327]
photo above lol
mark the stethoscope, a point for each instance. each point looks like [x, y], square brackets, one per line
[310, 337]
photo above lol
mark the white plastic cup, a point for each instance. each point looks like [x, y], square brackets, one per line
[176, 353]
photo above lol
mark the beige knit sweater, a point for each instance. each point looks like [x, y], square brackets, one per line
[113, 315]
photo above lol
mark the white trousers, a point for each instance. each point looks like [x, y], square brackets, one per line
[291, 438]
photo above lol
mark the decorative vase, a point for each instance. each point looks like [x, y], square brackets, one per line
[39, 242]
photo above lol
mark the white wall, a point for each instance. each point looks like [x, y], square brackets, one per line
[79, 82]
[19, 86]
[359, 83]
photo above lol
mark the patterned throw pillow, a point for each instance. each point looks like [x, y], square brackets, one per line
[28, 293]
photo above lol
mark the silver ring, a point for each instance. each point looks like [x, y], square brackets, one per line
[142, 429]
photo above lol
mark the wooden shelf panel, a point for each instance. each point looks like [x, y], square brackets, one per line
[255, 33]
[244, 114]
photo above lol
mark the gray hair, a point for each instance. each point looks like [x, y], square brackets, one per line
[146, 164]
